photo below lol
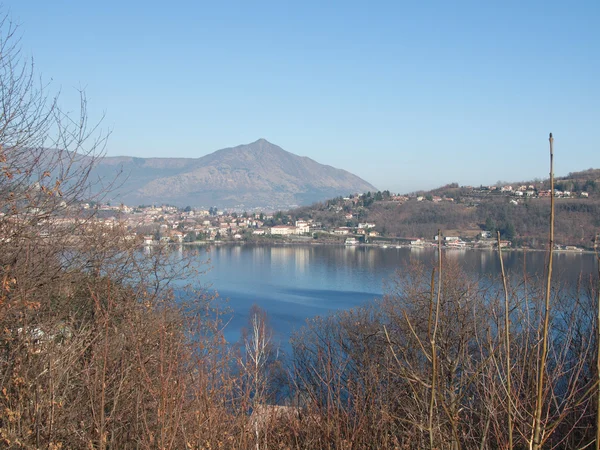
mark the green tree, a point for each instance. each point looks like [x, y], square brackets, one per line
[190, 237]
[590, 186]
[490, 225]
[508, 231]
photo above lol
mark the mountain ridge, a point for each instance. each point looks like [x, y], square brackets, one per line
[259, 174]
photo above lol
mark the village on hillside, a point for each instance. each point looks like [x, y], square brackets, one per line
[346, 224]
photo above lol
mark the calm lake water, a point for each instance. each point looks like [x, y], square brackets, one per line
[294, 283]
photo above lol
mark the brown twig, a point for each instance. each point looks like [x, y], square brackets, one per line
[537, 418]
[507, 349]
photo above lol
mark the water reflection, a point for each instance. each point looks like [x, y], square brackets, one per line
[279, 255]
[347, 268]
[293, 283]
[484, 256]
[301, 258]
[259, 254]
[236, 253]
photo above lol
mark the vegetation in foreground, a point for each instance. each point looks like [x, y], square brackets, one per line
[98, 352]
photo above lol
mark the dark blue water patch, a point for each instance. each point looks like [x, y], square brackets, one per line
[287, 308]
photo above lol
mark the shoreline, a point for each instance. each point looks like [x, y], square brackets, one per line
[381, 246]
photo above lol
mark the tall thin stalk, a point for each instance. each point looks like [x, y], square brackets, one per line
[537, 418]
[507, 349]
[433, 345]
[597, 345]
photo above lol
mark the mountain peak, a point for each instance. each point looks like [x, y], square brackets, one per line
[260, 146]
[259, 174]
[262, 143]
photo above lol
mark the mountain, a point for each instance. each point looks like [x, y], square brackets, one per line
[259, 174]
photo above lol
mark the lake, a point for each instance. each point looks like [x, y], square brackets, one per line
[293, 283]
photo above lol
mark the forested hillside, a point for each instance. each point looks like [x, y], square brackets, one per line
[467, 211]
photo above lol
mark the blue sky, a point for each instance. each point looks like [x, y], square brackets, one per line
[407, 95]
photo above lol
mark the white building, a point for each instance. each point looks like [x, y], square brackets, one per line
[456, 244]
[342, 230]
[366, 225]
[302, 227]
[283, 230]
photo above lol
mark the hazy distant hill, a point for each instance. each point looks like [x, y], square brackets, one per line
[259, 174]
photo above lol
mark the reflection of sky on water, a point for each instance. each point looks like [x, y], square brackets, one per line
[288, 309]
[294, 283]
